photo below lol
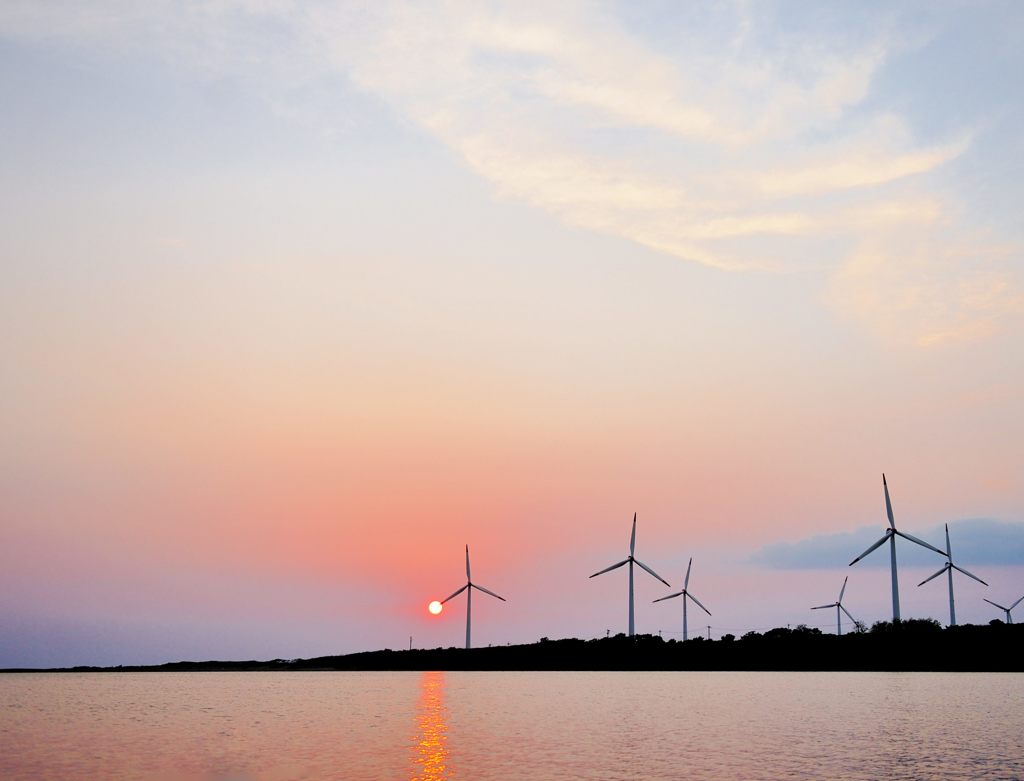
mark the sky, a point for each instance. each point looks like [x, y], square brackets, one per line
[299, 299]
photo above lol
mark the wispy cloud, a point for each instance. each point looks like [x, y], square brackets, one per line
[725, 149]
[977, 541]
[525, 100]
[724, 140]
[929, 289]
[857, 168]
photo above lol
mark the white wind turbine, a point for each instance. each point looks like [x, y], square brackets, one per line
[685, 595]
[631, 561]
[948, 567]
[1009, 618]
[838, 605]
[468, 588]
[890, 536]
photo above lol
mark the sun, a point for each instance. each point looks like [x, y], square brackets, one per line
[435, 607]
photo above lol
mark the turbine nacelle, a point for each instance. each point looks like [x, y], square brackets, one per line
[890, 536]
[838, 605]
[685, 594]
[948, 567]
[631, 560]
[470, 585]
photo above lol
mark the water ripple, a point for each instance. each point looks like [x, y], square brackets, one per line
[547, 726]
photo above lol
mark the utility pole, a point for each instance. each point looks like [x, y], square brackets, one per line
[410, 642]
[709, 631]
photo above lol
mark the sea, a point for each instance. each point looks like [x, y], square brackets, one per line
[286, 726]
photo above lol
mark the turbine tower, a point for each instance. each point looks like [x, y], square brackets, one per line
[1009, 618]
[948, 568]
[890, 536]
[630, 560]
[685, 595]
[468, 588]
[838, 605]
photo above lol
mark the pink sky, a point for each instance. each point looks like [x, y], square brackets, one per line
[281, 334]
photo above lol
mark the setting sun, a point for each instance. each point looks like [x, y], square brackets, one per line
[435, 607]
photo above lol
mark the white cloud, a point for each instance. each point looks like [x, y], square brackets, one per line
[522, 96]
[735, 131]
[930, 289]
[853, 170]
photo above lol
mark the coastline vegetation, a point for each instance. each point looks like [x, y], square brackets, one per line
[910, 645]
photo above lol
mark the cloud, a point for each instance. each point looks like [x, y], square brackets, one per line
[977, 541]
[858, 168]
[727, 152]
[745, 145]
[525, 98]
[929, 289]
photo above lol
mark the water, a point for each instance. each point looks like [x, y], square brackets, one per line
[516, 725]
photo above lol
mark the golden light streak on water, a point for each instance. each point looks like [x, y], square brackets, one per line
[431, 744]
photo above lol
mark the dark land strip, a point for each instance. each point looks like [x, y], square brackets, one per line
[918, 645]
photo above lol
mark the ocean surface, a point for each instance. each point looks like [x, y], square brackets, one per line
[514, 725]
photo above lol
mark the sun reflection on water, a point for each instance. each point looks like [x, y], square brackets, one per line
[430, 748]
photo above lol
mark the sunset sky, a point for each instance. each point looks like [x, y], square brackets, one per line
[300, 298]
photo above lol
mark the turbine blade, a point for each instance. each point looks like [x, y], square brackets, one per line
[609, 569]
[968, 574]
[888, 533]
[691, 596]
[455, 594]
[632, 537]
[486, 591]
[467, 564]
[855, 621]
[670, 596]
[1016, 603]
[842, 590]
[659, 577]
[949, 550]
[912, 538]
[686, 583]
[819, 607]
[888, 504]
[998, 605]
[930, 577]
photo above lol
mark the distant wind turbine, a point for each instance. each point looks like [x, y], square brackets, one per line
[685, 595]
[631, 561]
[468, 588]
[890, 535]
[1009, 618]
[948, 568]
[838, 605]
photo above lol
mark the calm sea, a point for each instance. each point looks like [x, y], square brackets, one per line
[516, 725]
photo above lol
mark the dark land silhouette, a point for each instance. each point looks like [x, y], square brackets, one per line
[912, 645]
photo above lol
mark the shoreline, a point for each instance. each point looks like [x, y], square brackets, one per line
[910, 646]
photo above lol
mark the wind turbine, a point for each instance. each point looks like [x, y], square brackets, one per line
[631, 561]
[1009, 618]
[890, 535]
[838, 605]
[468, 588]
[948, 567]
[685, 595]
